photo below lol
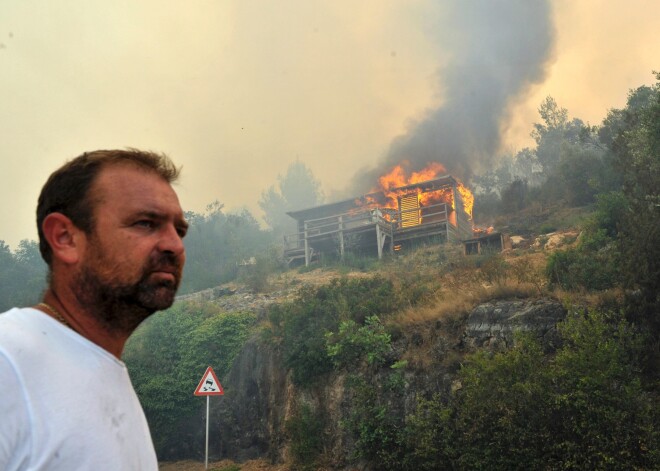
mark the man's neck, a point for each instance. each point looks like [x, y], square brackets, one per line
[83, 322]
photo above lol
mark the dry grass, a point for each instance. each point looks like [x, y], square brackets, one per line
[456, 285]
[611, 299]
[292, 279]
[459, 292]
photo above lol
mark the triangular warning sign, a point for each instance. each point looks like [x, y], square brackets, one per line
[209, 385]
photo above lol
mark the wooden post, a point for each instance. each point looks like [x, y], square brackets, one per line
[341, 237]
[306, 245]
[378, 241]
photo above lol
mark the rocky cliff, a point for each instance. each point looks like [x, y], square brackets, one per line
[249, 421]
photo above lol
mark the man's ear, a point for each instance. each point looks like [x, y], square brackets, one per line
[64, 238]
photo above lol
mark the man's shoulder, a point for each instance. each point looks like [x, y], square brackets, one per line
[18, 328]
[24, 330]
[14, 319]
[18, 318]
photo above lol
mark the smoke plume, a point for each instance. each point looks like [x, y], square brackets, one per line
[497, 49]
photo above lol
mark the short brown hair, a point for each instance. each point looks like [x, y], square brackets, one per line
[67, 189]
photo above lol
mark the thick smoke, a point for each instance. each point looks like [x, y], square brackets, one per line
[497, 50]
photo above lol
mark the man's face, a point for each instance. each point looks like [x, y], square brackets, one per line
[134, 256]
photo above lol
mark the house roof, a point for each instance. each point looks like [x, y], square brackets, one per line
[363, 201]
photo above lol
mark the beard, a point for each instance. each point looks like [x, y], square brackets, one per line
[122, 305]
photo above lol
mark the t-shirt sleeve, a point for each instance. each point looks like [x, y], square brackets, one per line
[15, 423]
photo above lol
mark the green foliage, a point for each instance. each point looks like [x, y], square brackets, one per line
[584, 408]
[353, 342]
[376, 425]
[604, 417]
[229, 467]
[217, 243]
[497, 402]
[356, 261]
[305, 431]
[297, 189]
[635, 144]
[169, 353]
[415, 287]
[300, 327]
[515, 196]
[428, 436]
[580, 173]
[622, 244]
[22, 275]
[592, 265]
[555, 131]
[572, 268]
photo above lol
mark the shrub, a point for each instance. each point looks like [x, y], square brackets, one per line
[592, 265]
[168, 354]
[584, 408]
[300, 327]
[494, 269]
[305, 430]
[376, 425]
[354, 342]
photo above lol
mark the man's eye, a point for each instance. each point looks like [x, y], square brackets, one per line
[145, 223]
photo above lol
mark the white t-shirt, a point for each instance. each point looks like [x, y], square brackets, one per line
[66, 403]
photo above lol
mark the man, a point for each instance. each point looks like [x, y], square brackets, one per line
[110, 229]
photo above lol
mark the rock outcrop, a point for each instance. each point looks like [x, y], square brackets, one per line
[492, 325]
[249, 421]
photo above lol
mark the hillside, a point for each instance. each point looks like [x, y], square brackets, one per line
[436, 310]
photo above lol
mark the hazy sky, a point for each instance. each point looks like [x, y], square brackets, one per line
[236, 90]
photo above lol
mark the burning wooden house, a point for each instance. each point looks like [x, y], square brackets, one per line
[383, 220]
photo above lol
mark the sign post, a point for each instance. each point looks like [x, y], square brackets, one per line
[208, 386]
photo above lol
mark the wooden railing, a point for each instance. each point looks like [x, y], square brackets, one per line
[394, 220]
[334, 224]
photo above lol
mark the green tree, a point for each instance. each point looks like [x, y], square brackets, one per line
[555, 130]
[297, 189]
[217, 243]
[22, 275]
[167, 356]
[581, 172]
[515, 196]
[582, 408]
[636, 146]
[7, 270]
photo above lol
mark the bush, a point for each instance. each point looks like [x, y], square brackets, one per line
[300, 327]
[352, 343]
[305, 431]
[167, 356]
[583, 409]
[376, 425]
[592, 265]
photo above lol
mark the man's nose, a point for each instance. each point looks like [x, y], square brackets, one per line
[170, 241]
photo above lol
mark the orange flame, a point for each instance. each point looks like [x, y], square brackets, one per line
[397, 178]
